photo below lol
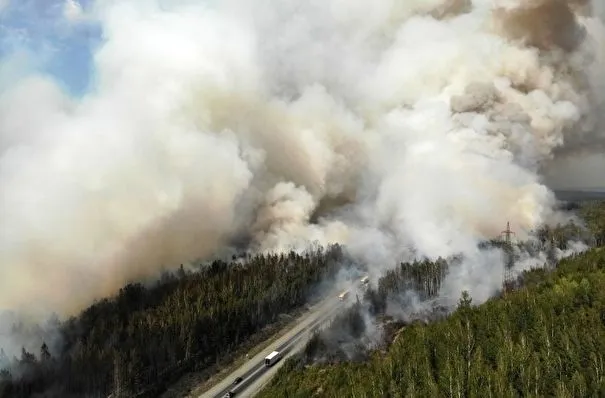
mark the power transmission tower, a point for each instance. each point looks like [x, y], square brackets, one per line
[507, 279]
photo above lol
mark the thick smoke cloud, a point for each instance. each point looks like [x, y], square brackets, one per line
[400, 129]
[584, 172]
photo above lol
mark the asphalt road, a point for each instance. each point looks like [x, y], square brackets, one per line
[263, 379]
[254, 373]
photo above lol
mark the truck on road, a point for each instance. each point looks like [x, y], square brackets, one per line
[272, 358]
[343, 295]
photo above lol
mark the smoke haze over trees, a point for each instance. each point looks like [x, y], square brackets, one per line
[146, 338]
[547, 339]
[399, 129]
[402, 131]
[412, 292]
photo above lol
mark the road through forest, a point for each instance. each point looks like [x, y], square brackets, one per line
[253, 372]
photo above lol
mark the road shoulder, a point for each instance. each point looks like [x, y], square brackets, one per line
[193, 384]
[299, 324]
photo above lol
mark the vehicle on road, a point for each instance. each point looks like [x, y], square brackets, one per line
[229, 394]
[365, 280]
[343, 295]
[272, 358]
[237, 381]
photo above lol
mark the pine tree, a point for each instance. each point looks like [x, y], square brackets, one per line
[44, 353]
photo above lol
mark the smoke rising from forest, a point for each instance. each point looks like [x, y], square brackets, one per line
[399, 129]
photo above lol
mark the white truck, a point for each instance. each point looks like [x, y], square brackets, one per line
[343, 295]
[272, 358]
[365, 280]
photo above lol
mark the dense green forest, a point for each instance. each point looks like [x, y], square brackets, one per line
[145, 338]
[546, 338]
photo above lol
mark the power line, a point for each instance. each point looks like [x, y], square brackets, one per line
[507, 233]
[507, 278]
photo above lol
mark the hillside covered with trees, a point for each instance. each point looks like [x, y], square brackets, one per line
[146, 337]
[546, 338]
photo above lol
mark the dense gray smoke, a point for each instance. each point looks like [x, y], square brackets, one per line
[398, 128]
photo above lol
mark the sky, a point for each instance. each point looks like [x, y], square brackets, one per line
[48, 36]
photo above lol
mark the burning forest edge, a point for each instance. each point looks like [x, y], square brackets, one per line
[400, 135]
[545, 339]
[143, 339]
[409, 293]
[543, 336]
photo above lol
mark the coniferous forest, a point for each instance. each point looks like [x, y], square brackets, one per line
[147, 337]
[545, 338]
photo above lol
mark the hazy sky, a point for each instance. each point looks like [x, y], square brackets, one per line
[202, 123]
[58, 37]
[52, 36]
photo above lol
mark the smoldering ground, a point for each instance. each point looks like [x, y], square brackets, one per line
[399, 129]
[427, 291]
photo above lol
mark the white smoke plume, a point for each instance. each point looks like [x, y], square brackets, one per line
[391, 127]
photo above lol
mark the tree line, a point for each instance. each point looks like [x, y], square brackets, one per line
[546, 338]
[138, 342]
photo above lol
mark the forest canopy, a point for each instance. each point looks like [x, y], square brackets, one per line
[546, 338]
[146, 337]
